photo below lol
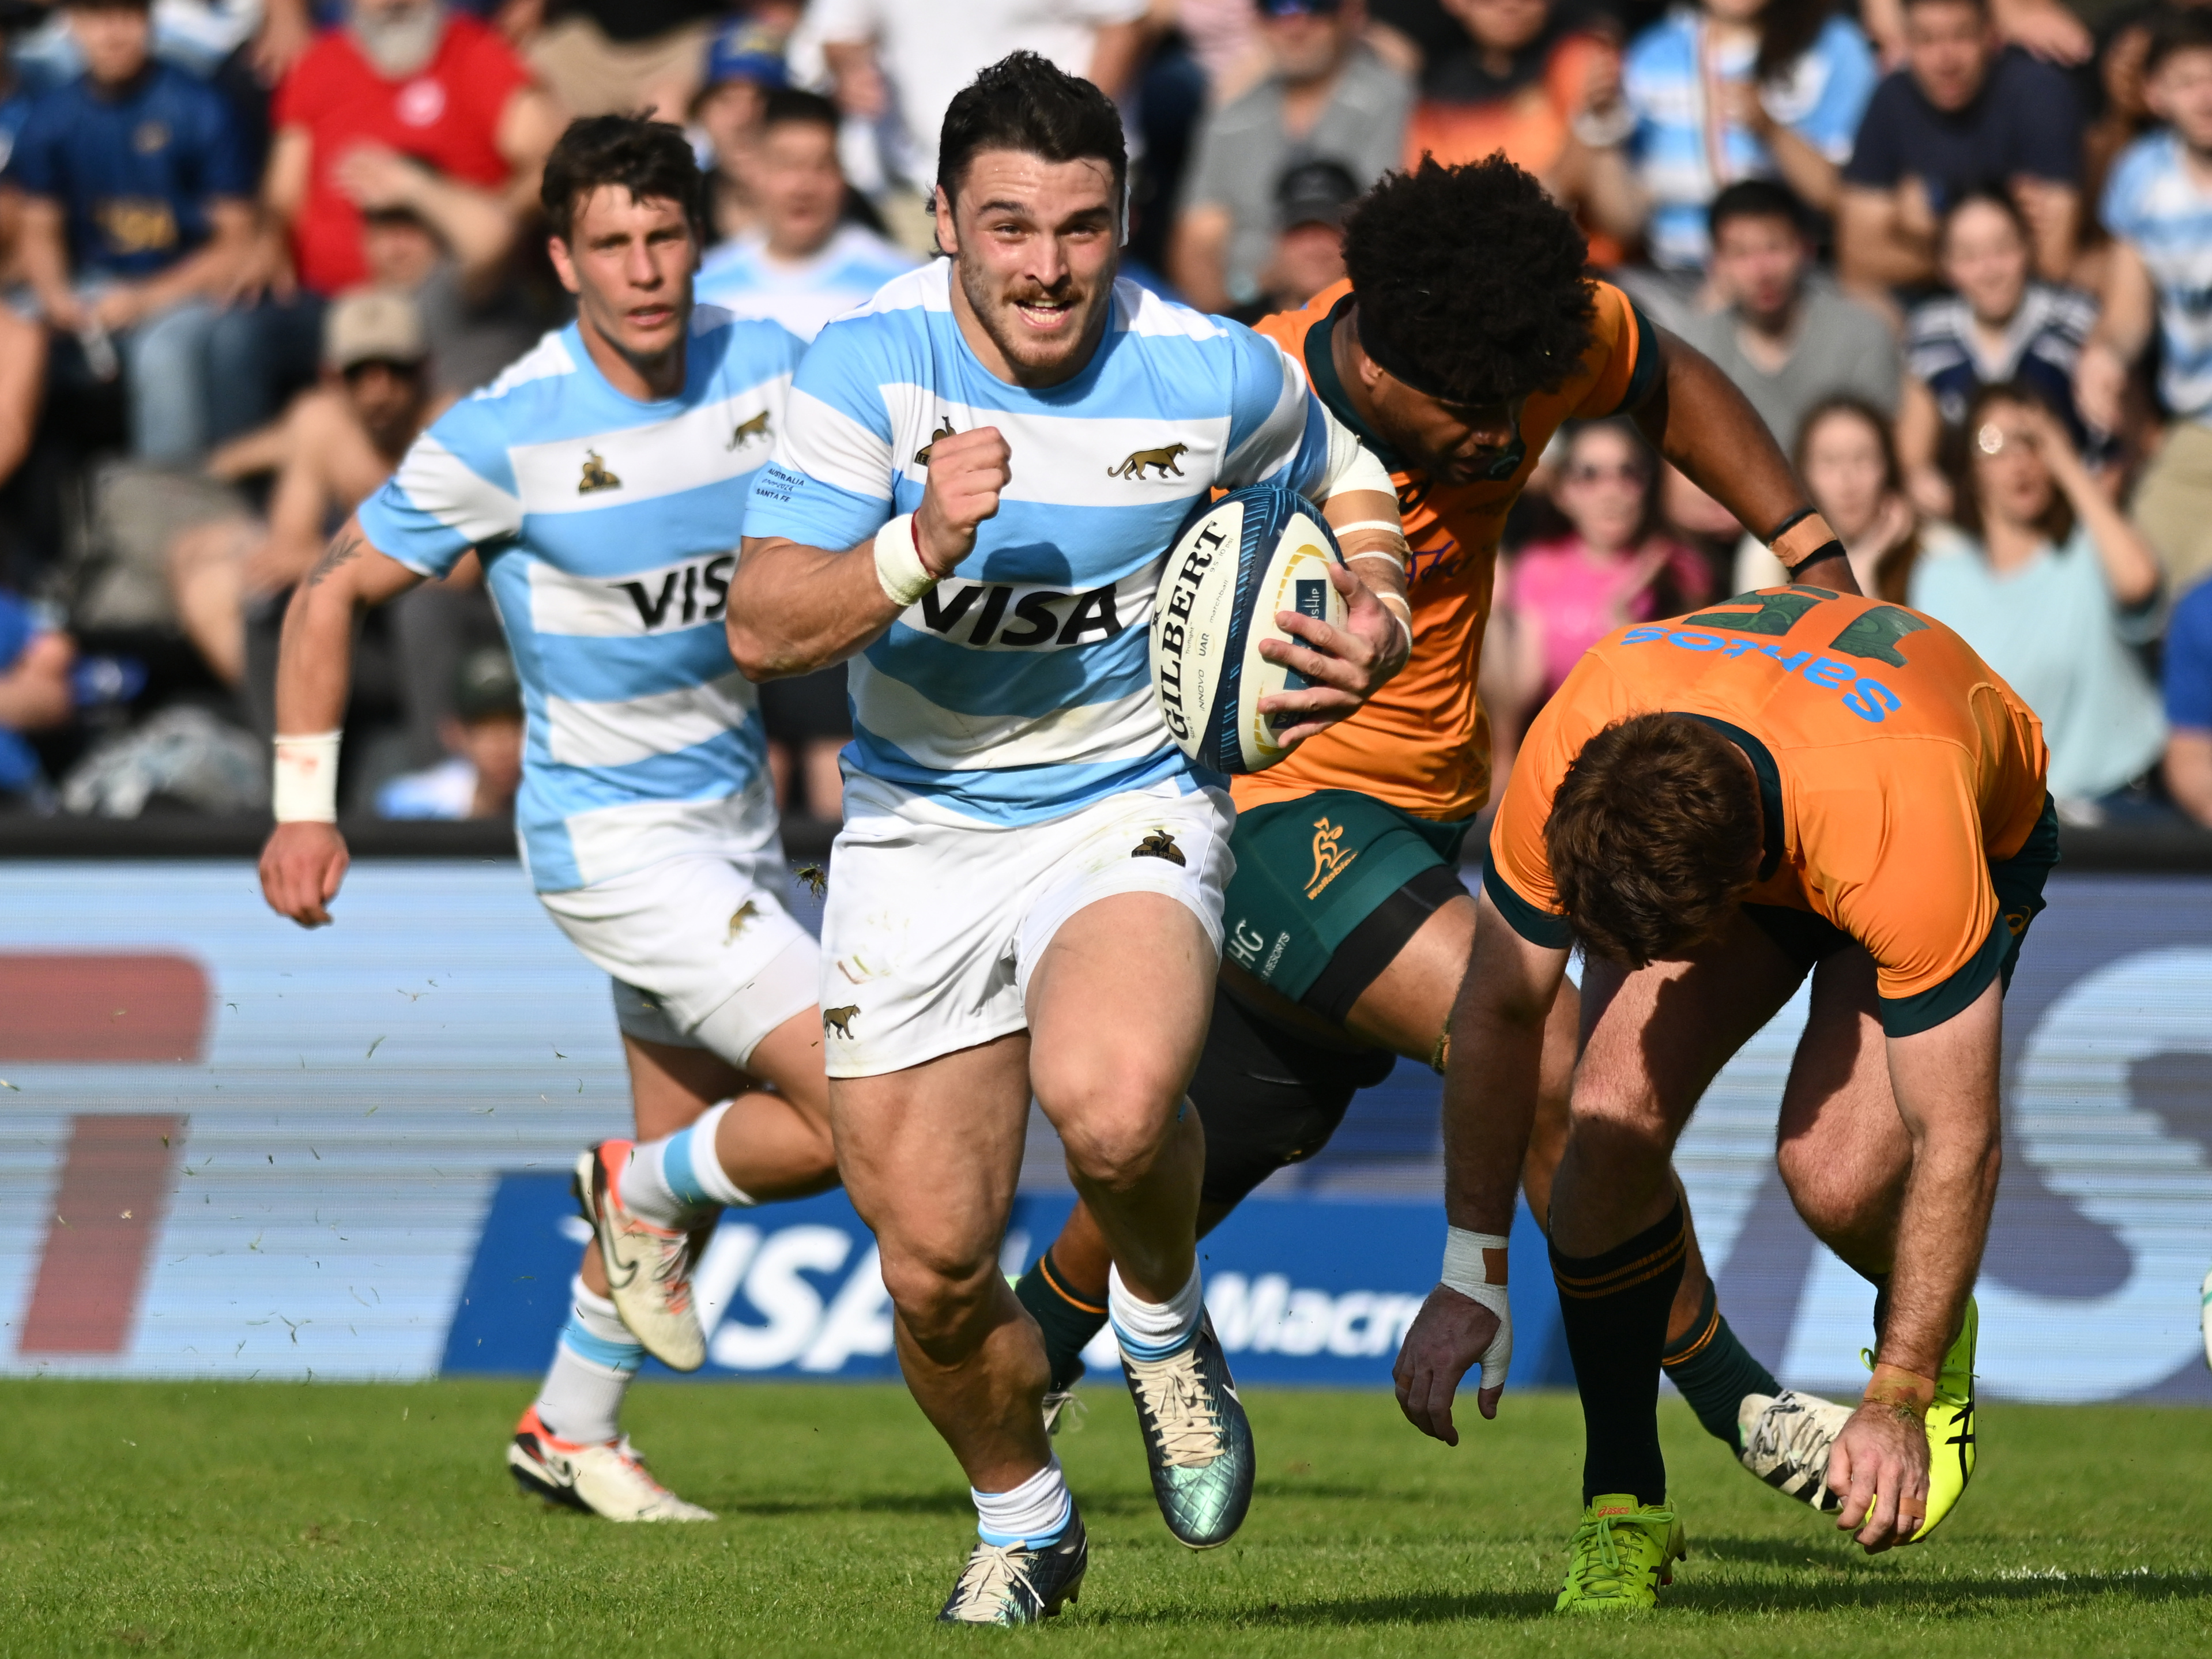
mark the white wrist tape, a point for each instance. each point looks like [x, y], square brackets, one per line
[1468, 1259]
[1403, 616]
[305, 789]
[898, 562]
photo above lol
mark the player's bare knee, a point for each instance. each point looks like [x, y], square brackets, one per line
[940, 1295]
[1115, 1148]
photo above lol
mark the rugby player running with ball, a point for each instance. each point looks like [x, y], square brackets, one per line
[602, 480]
[969, 502]
[1348, 928]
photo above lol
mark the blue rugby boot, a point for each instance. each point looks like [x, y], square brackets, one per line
[1196, 1437]
[1020, 1583]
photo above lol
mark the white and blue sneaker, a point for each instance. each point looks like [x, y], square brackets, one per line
[1197, 1439]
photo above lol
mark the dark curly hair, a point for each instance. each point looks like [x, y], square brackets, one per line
[1476, 275]
[652, 160]
[1652, 837]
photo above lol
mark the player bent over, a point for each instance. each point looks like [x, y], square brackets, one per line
[1347, 928]
[1794, 781]
[602, 480]
[1027, 890]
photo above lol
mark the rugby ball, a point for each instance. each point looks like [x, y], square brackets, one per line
[1234, 564]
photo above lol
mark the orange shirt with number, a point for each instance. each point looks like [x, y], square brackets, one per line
[1895, 766]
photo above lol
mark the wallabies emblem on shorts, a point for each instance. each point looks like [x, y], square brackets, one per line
[596, 476]
[840, 1020]
[1158, 845]
[1329, 857]
[921, 455]
[756, 428]
[1162, 457]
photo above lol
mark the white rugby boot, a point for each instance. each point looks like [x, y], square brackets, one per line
[648, 1268]
[1787, 1438]
[609, 1479]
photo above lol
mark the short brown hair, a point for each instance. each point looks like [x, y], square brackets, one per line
[651, 159]
[1653, 837]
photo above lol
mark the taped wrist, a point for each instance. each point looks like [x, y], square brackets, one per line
[1474, 1266]
[1892, 1385]
[304, 788]
[899, 567]
[1803, 538]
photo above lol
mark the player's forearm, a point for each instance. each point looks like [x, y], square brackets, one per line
[1490, 1078]
[1702, 423]
[1946, 1083]
[793, 609]
[314, 656]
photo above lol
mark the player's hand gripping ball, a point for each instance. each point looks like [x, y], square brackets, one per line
[1235, 563]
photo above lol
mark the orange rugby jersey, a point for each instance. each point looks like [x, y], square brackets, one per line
[1422, 743]
[1895, 765]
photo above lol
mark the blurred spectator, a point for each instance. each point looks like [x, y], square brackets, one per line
[34, 695]
[1726, 91]
[1849, 468]
[2189, 705]
[1616, 565]
[609, 56]
[1784, 335]
[1525, 71]
[898, 62]
[2047, 580]
[1996, 324]
[338, 445]
[405, 84]
[137, 213]
[802, 267]
[484, 733]
[2159, 209]
[1965, 112]
[451, 254]
[1328, 98]
[22, 378]
[742, 69]
[1311, 201]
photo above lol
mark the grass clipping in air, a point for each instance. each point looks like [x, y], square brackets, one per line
[179, 1518]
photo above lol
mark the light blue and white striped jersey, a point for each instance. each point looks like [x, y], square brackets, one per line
[2151, 203]
[741, 277]
[1685, 150]
[608, 530]
[1020, 688]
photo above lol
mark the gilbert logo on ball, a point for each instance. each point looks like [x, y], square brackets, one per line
[1235, 563]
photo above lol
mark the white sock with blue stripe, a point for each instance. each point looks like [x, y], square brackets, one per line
[671, 1181]
[1034, 1513]
[1153, 1330]
[581, 1397]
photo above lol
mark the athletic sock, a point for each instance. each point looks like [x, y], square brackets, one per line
[1153, 1330]
[671, 1181]
[1714, 1372]
[1614, 1307]
[593, 1365]
[1068, 1318]
[1034, 1513]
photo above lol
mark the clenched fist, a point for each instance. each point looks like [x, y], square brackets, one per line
[301, 869]
[967, 471]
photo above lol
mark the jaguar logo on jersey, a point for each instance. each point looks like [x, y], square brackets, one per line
[596, 476]
[1158, 845]
[921, 455]
[1041, 617]
[688, 593]
[1162, 457]
[1330, 859]
[748, 430]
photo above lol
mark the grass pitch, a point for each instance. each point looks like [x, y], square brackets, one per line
[274, 1519]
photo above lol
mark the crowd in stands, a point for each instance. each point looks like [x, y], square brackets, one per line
[1957, 253]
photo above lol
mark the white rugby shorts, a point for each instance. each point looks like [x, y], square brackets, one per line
[707, 939]
[933, 920]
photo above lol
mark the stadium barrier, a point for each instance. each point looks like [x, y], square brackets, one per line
[232, 1148]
